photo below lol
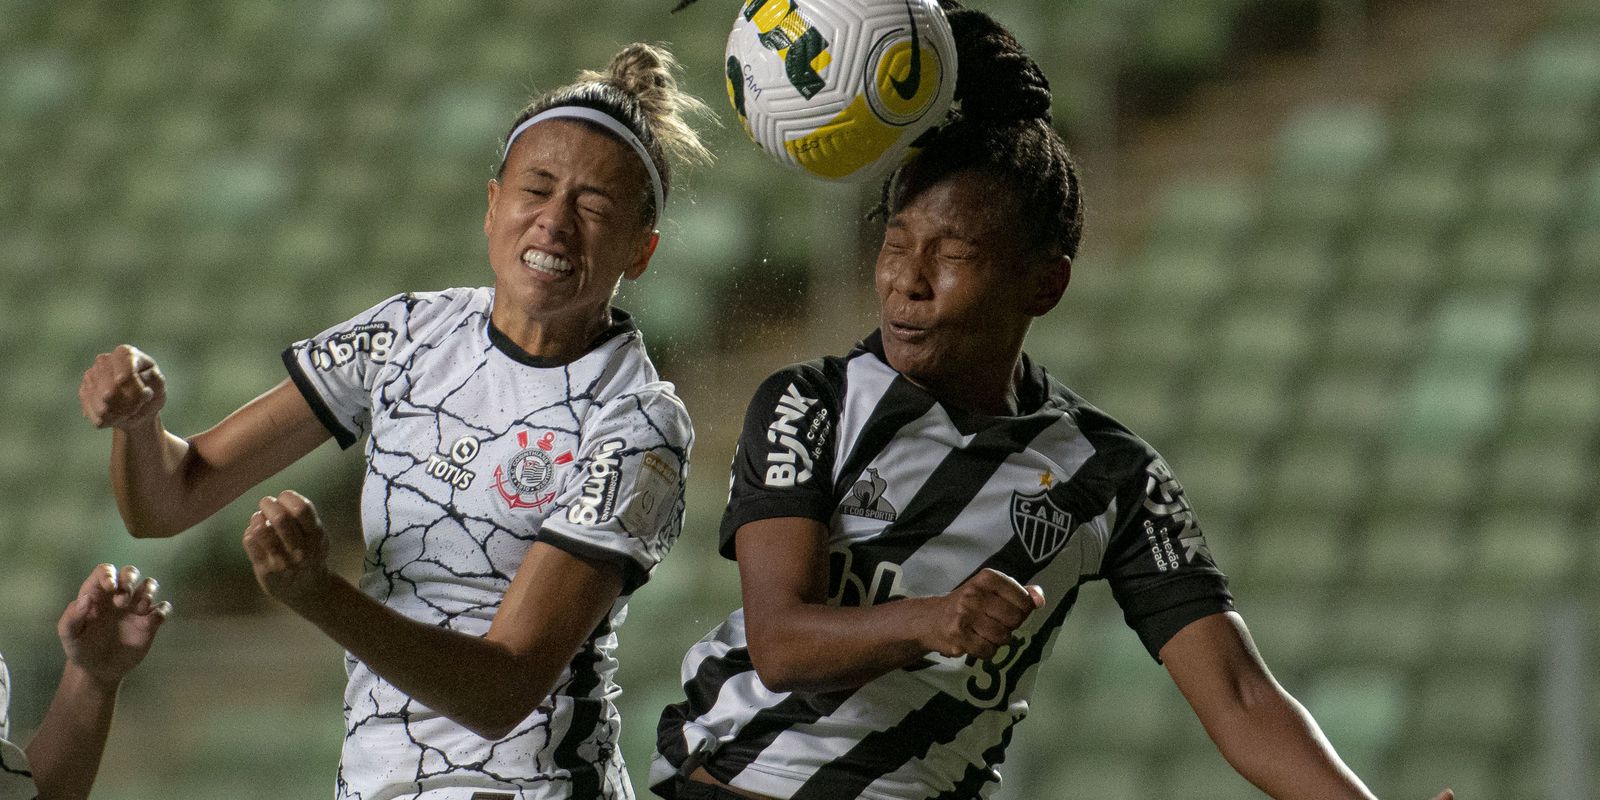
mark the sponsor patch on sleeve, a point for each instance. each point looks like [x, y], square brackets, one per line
[1171, 526]
[798, 432]
[654, 493]
[374, 340]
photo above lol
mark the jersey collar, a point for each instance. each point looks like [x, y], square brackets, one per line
[1032, 393]
[621, 322]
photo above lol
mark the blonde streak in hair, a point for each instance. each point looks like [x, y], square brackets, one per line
[646, 72]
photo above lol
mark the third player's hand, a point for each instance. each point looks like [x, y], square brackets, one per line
[288, 549]
[122, 388]
[979, 616]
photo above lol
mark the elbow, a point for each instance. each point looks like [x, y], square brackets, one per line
[496, 716]
[492, 731]
[494, 724]
[148, 527]
[779, 671]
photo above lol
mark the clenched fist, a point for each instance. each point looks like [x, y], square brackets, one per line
[124, 387]
[288, 549]
[979, 616]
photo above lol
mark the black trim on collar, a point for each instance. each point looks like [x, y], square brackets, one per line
[621, 322]
[1033, 391]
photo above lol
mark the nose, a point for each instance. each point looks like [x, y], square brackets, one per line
[906, 276]
[557, 218]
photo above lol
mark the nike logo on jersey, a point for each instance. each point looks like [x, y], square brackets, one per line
[395, 412]
[907, 88]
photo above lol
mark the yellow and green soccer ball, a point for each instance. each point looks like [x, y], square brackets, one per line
[840, 88]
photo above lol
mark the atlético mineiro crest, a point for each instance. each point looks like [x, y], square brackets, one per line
[1041, 525]
[524, 479]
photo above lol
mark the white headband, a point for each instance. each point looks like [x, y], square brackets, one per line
[606, 121]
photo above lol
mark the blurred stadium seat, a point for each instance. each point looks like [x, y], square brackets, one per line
[1373, 361]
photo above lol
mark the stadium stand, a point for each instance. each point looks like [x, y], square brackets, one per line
[1374, 365]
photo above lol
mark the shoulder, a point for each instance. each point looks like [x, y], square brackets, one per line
[651, 410]
[806, 382]
[1121, 452]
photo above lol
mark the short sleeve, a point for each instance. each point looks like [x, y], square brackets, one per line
[337, 369]
[16, 780]
[623, 502]
[1160, 570]
[783, 466]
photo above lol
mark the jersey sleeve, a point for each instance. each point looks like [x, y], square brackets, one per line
[623, 502]
[1160, 570]
[16, 781]
[337, 369]
[783, 465]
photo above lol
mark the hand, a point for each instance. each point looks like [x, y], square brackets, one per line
[108, 628]
[288, 549]
[123, 388]
[1445, 795]
[979, 616]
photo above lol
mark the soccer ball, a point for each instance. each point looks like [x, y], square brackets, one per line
[840, 88]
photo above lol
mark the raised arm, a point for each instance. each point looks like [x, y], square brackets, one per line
[798, 641]
[1259, 728]
[486, 684]
[165, 484]
[105, 631]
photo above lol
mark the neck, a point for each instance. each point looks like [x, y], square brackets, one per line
[560, 338]
[988, 388]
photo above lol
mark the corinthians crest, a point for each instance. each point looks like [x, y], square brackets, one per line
[1041, 525]
[523, 479]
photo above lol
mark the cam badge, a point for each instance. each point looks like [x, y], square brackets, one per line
[1041, 525]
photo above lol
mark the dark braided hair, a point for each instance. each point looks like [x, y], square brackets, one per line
[1001, 126]
[638, 89]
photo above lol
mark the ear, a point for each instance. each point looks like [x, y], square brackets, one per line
[1050, 282]
[488, 216]
[636, 269]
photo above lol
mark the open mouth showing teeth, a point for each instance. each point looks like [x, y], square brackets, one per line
[546, 263]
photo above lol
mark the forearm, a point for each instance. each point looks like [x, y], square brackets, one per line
[479, 683]
[150, 473]
[816, 647]
[1270, 739]
[65, 753]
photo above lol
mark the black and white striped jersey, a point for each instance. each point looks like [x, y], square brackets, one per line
[918, 497]
[476, 449]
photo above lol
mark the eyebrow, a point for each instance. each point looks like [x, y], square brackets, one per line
[539, 172]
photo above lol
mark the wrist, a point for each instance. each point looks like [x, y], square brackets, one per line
[82, 682]
[143, 426]
[312, 598]
[923, 626]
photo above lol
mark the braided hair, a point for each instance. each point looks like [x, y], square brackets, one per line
[639, 89]
[1001, 126]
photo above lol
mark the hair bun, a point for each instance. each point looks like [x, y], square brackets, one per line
[646, 73]
[995, 77]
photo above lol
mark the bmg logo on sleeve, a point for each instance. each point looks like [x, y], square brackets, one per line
[373, 339]
[599, 500]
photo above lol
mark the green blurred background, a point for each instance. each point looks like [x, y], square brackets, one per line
[1342, 267]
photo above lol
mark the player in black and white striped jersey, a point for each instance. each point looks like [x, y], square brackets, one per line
[913, 521]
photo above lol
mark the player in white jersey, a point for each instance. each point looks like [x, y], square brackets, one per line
[913, 522]
[106, 631]
[525, 467]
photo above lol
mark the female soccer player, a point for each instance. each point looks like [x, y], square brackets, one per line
[105, 631]
[525, 467]
[912, 522]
